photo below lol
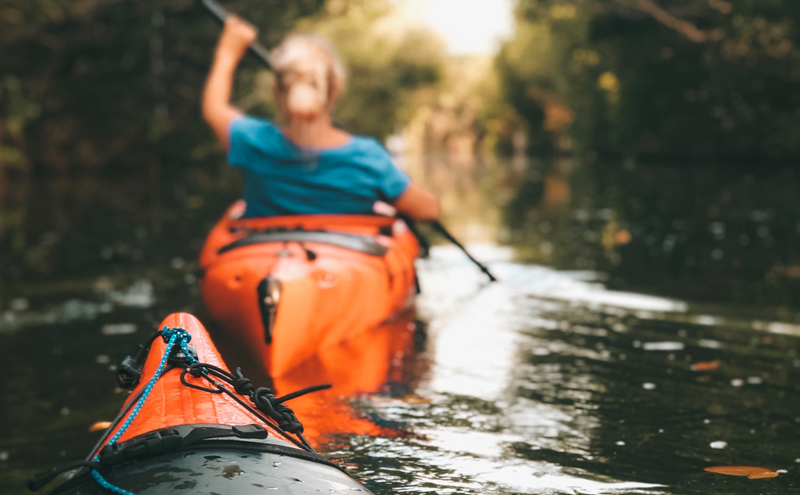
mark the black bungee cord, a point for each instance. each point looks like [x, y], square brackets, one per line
[283, 418]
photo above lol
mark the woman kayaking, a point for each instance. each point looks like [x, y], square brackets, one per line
[305, 165]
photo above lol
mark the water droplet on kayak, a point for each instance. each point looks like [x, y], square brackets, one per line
[230, 472]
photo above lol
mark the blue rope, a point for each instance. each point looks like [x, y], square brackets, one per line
[171, 336]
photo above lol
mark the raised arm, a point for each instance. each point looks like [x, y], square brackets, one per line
[236, 36]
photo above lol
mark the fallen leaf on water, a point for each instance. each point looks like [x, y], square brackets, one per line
[753, 473]
[100, 425]
[706, 366]
[408, 399]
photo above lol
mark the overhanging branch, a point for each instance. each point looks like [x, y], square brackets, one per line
[687, 29]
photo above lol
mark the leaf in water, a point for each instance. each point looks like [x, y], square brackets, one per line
[706, 366]
[753, 473]
[100, 425]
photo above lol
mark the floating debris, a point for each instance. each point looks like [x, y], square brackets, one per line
[649, 386]
[706, 365]
[100, 425]
[753, 473]
[719, 444]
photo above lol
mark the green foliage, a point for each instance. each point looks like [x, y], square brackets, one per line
[114, 84]
[689, 78]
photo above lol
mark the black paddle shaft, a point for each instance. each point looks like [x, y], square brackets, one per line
[438, 226]
[219, 12]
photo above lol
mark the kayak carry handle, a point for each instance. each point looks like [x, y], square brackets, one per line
[219, 13]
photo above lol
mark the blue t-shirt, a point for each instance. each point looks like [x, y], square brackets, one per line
[282, 179]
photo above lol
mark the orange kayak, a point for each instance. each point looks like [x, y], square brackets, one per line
[287, 287]
[191, 425]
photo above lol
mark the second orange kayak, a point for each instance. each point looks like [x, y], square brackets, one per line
[289, 286]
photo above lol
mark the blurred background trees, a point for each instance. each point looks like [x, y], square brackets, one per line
[672, 79]
[113, 85]
[543, 146]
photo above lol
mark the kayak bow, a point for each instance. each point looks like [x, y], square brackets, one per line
[192, 424]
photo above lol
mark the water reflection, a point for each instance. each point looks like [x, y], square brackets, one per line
[561, 379]
[372, 366]
[703, 233]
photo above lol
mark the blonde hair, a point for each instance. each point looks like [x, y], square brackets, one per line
[307, 69]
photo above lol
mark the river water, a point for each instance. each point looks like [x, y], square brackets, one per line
[643, 328]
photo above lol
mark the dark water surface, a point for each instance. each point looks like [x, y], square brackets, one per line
[624, 350]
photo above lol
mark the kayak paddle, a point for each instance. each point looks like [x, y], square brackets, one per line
[424, 244]
[440, 228]
[219, 12]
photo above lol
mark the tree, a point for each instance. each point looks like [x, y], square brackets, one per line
[668, 78]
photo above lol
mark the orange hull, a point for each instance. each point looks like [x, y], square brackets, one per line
[324, 278]
[173, 437]
[171, 403]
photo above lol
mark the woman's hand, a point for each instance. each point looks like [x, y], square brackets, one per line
[237, 35]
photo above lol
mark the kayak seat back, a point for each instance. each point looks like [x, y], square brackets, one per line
[354, 242]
